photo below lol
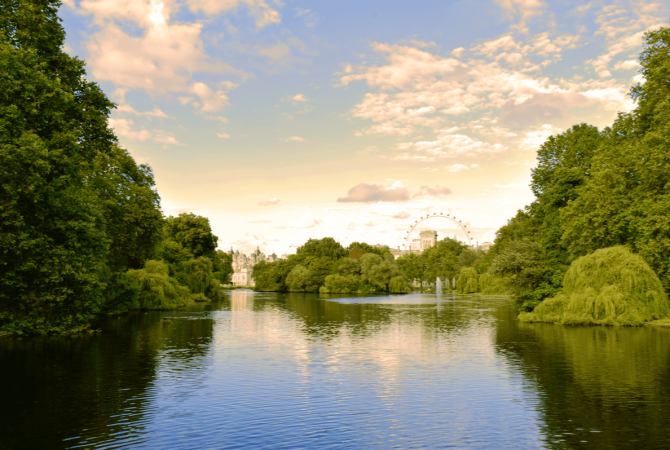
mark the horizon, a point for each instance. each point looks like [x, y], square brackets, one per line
[282, 122]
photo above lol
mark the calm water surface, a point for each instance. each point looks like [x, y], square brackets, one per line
[265, 370]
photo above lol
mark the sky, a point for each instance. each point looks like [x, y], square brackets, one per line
[282, 121]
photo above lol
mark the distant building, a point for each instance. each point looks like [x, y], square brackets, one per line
[243, 266]
[428, 239]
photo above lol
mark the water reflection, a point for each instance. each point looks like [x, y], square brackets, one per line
[299, 370]
[602, 386]
[63, 392]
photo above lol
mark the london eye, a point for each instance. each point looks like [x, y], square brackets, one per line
[444, 225]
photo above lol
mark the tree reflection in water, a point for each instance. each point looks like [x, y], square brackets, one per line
[605, 387]
[59, 392]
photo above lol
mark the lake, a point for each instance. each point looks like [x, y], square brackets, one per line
[279, 370]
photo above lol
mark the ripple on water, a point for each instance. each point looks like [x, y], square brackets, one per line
[298, 371]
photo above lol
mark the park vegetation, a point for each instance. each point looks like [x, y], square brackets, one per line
[610, 286]
[596, 193]
[325, 266]
[81, 229]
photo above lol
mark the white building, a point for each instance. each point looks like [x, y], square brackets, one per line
[243, 266]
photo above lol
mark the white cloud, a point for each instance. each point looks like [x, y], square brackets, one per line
[223, 135]
[129, 109]
[626, 65]
[124, 128]
[448, 144]
[210, 101]
[533, 139]
[299, 98]
[457, 168]
[294, 139]
[258, 9]
[457, 52]
[137, 46]
[270, 202]
[524, 10]
[166, 138]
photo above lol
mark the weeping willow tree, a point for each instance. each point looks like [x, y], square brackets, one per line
[398, 285]
[468, 281]
[200, 278]
[611, 286]
[488, 284]
[149, 288]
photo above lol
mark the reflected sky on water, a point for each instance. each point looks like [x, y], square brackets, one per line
[268, 370]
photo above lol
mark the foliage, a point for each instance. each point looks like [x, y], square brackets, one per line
[322, 248]
[468, 281]
[53, 124]
[132, 217]
[222, 265]
[339, 284]
[298, 279]
[76, 211]
[443, 260]
[324, 266]
[148, 288]
[200, 278]
[398, 285]
[611, 286]
[601, 189]
[193, 233]
[360, 248]
[489, 284]
[522, 269]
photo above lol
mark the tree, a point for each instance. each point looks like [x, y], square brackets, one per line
[626, 201]
[412, 266]
[298, 279]
[53, 127]
[193, 233]
[133, 220]
[441, 260]
[326, 247]
[523, 270]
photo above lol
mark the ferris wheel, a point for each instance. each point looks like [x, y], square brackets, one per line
[438, 222]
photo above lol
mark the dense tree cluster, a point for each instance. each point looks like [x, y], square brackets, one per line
[323, 265]
[597, 189]
[80, 220]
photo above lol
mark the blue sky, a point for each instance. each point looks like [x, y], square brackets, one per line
[282, 121]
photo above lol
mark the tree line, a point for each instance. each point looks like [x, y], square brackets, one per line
[596, 189]
[81, 229]
[325, 266]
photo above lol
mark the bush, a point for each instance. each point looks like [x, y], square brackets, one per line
[149, 288]
[297, 280]
[468, 281]
[611, 286]
[199, 298]
[398, 285]
[200, 279]
[338, 284]
[489, 284]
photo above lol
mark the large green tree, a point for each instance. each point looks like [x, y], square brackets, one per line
[193, 233]
[53, 126]
[627, 200]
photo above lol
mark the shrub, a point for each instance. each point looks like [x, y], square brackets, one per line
[611, 286]
[489, 284]
[148, 288]
[199, 278]
[398, 285]
[338, 284]
[468, 281]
